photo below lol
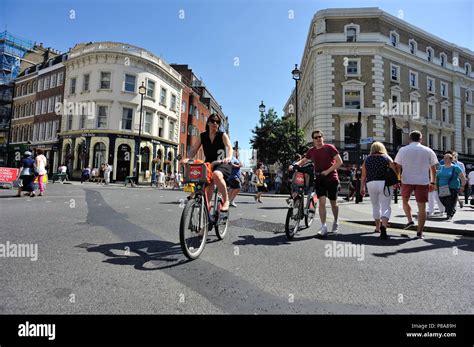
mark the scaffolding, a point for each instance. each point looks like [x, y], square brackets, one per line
[12, 49]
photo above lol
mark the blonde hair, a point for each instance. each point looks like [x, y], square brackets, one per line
[377, 147]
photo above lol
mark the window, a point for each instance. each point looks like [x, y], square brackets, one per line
[394, 38]
[148, 121]
[72, 86]
[38, 107]
[161, 125]
[173, 102]
[40, 85]
[183, 128]
[51, 104]
[43, 131]
[352, 99]
[468, 121]
[83, 118]
[353, 67]
[171, 131]
[444, 89]
[36, 133]
[412, 44]
[469, 147]
[46, 83]
[105, 78]
[130, 83]
[85, 83]
[49, 132]
[429, 54]
[468, 96]
[467, 69]
[430, 111]
[183, 107]
[102, 117]
[99, 154]
[430, 140]
[163, 96]
[53, 80]
[351, 34]
[44, 106]
[430, 85]
[196, 113]
[145, 160]
[443, 143]
[60, 78]
[57, 100]
[127, 118]
[443, 58]
[444, 115]
[150, 89]
[395, 73]
[35, 86]
[30, 90]
[69, 122]
[414, 79]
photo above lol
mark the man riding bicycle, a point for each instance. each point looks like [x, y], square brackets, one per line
[216, 146]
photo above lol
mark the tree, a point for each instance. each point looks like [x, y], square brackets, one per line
[274, 139]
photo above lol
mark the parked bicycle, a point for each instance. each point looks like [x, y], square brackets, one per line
[200, 215]
[297, 209]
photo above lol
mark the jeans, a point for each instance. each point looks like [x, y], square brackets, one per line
[380, 202]
[449, 202]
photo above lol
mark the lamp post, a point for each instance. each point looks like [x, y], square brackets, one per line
[296, 76]
[141, 91]
[261, 108]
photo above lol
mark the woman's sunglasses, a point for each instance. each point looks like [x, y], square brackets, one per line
[214, 121]
[317, 137]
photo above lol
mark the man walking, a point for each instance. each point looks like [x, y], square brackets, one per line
[326, 160]
[416, 163]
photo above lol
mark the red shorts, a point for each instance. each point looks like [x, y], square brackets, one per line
[421, 191]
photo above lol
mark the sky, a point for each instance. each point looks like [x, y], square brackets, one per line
[244, 50]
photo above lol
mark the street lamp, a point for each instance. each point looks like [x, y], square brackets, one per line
[261, 108]
[141, 91]
[296, 76]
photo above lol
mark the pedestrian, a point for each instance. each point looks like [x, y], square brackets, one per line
[471, 183]
[326, 160]
[101, 174]
[233, 182]
[107, 173]
[374, 172]
[415, 162]
[40, 164]
[63, 171]
[278, 181]
[260, 183]
[352, 185]
[27, 175]
[433, 198]
[450, 181]
[161, 179]
[86, 174]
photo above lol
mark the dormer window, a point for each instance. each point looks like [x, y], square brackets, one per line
[352, 32]
[394, 38]
[412, 45]
[443, 59]
[429, 54]
[467, 69]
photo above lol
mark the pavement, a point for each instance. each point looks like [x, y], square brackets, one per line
[115, 250]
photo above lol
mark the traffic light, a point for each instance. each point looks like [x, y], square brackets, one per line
[84, 148]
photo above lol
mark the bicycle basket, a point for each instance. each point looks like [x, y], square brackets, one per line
[298, 179]
[196, 173]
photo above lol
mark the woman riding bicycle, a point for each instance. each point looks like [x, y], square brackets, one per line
[216, 145]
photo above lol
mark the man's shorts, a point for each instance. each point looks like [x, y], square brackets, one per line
[421, 192]
[226, 170]
[234, 184]
[327, 188]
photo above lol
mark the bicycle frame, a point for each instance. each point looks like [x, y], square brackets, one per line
[211, 211]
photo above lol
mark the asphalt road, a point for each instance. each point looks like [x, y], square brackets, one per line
[113, 250]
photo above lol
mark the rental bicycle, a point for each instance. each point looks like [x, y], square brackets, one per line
[200, 215]
[297, 209]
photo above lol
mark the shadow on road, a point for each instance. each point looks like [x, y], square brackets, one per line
[142, 255]
[261, 241]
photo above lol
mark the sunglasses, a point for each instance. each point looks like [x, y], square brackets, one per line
[317, 137]
[214, 121]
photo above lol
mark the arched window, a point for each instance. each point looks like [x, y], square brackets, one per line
[145, 163]
[100, 155]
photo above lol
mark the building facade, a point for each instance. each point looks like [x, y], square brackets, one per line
[398, 76]
[101, 113]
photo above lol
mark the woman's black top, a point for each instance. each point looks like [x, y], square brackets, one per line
[213, 150]
[376, 166]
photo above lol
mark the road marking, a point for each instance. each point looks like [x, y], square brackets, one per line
[127, 206]
[263, 215]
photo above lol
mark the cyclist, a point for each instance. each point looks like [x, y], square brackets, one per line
[326, 160]
[216, 145]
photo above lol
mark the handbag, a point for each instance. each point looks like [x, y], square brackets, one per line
[391, 178]
[444, 191]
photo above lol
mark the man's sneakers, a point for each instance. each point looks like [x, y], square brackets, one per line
[335, 228]
[323, 231]
[383, 233]
[419, 235]
[409, 225]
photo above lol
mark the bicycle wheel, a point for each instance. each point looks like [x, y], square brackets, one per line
[221, 224]
[308, 218]
[293, 218]
[192, 234]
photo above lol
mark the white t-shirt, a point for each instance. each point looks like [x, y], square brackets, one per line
[471, 178]
[161, 177]
[416, 161]
[41, 164]
[62, 169]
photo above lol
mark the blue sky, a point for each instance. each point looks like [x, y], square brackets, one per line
[213, 33]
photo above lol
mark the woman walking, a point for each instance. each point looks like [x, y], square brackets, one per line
[260, 183]
[40, 163]
[27, 175]
[450, 181]
[374, 170]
